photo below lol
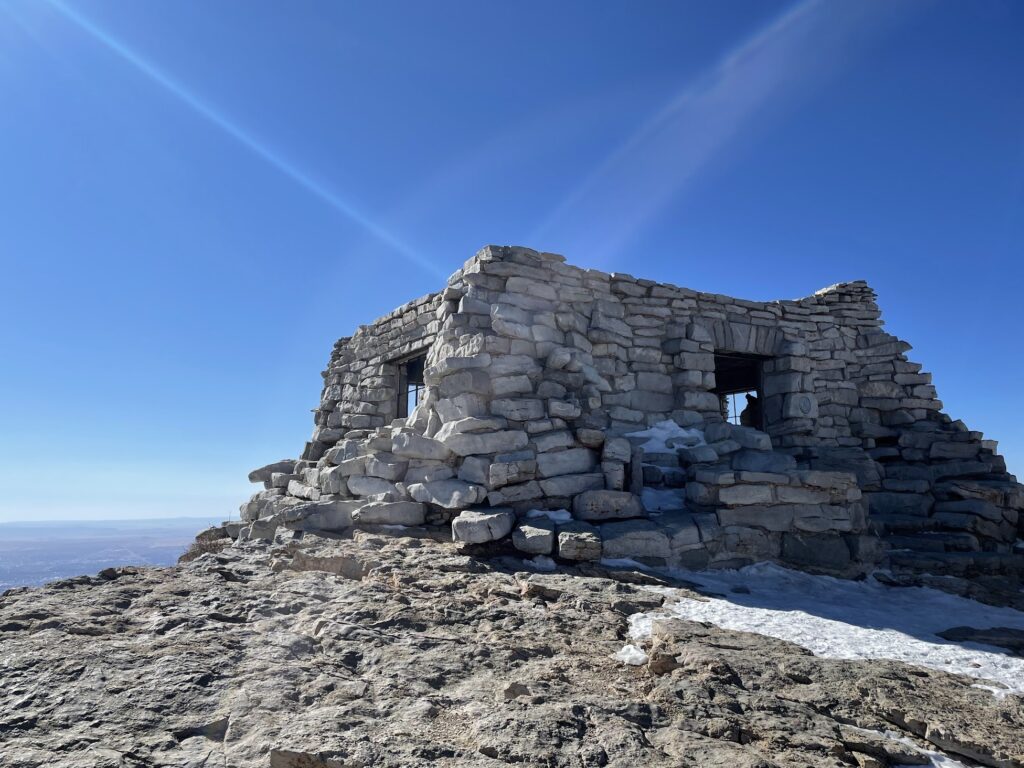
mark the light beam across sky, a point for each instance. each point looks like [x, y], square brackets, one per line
[244, 138]
[787, 58]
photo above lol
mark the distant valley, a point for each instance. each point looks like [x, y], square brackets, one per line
[32, 553]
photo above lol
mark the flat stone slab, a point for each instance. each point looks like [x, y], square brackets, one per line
[479, 527]
[322, 516]
[471, 443]
[579, 541]
[262, 475]
[391, 513]
[413, 446]
[634, 538]
[450, 494]
[536, 536]
[607, 505]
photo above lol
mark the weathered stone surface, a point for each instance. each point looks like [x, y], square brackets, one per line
[264, 528]
[386, 469]
[732, 495]
[466, 444]
[469, 424]
[579, 541]
[424, 471]
[262, 475]
[518, 409]
[475, 469]
[322, 516]
[698, 454]
[826, 552]
[570, 485]
[462, 406]
[751, 438]
[552, 441]
[480, 526]
[390, 513]
[535, 536]
[320, 628]
[512, 493]
[361, 485]
[771, 518]
[617, 449]
[563, 410]
[634, 538]
[354, 466]
[331, 480]
[607, 505]
[412, 446]
[590, 438]
[899, 504]
[569, 462]
[450, 494]
[302, 491]
[511, 468]
[762, 461]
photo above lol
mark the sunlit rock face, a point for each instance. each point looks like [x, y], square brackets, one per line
[398, 652]
[677, 428]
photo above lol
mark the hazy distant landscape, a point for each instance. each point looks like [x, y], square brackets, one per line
[37, 552]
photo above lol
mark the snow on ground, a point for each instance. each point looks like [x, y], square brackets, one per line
[630, 654]
[936, 759]
[542, 563]
[843, 619]
[666, 436]
[554, 515]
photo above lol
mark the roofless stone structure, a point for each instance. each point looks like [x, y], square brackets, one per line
[579, 415]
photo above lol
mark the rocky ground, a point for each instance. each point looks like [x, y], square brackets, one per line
[380, 651]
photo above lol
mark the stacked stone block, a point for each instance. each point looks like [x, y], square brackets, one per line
[537, 371]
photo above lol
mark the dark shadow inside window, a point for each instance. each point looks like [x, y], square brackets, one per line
[738, 386]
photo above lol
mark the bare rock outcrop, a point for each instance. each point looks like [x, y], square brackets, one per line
[383, 651]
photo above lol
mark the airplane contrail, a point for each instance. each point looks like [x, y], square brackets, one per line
[636, 181]
[246, 140]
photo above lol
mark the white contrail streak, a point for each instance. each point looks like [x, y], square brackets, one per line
[246, 140]
[637, 180]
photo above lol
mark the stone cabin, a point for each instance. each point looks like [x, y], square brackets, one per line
[567, 413]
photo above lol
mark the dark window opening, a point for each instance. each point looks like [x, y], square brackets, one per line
[410, 384]
[738, 386]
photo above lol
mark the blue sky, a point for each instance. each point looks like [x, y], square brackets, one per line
[198, 198]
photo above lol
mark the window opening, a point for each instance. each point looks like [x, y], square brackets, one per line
[738, 386]
[410, 384]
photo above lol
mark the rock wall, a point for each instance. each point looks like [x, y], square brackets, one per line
[576, 411]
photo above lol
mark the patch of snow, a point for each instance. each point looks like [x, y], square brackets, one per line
[843, 619]
[999, 693]
[666, 436]
[542, 563]
[554, 515]
[936, 759]
[663, 499]
[630, 654]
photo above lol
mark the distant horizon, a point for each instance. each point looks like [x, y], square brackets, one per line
[56, 521]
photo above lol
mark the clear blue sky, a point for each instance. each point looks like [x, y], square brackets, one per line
[197, 199]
